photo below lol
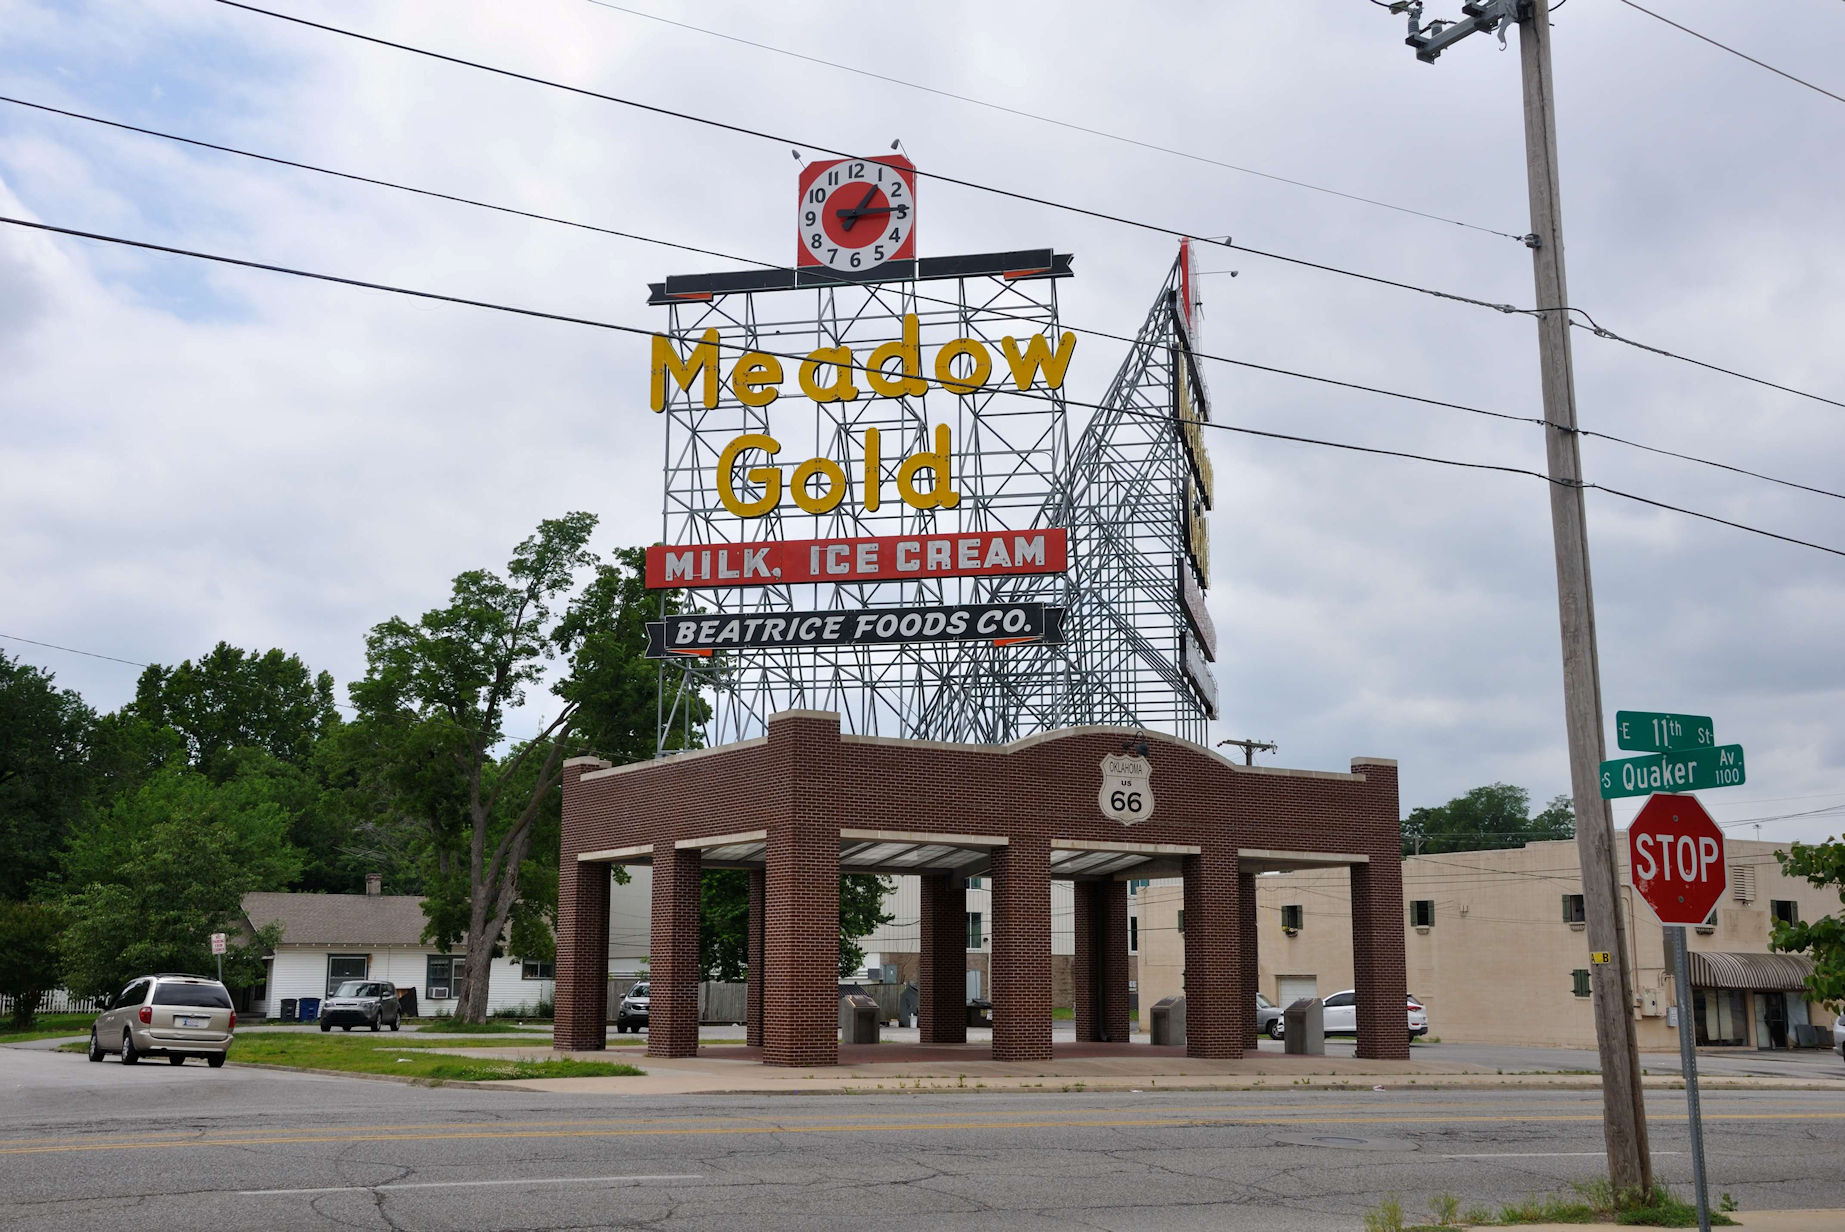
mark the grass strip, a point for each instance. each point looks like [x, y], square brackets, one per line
[407, 1058]
[47, 1026]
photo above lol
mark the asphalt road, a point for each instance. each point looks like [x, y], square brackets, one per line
[102, 1147]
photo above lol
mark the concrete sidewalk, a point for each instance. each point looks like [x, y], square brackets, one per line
[1768, 1221]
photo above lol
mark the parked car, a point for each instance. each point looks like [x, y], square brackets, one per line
[362, 1003]
[166, 1015]
[1340, 1016]
[1268, 1017]
[631, 1015]
[1838, 1036]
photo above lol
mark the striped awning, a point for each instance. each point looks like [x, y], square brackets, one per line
[1762, 972]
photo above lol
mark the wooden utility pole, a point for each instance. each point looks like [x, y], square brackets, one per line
[1250, 748]
[1630, 1166]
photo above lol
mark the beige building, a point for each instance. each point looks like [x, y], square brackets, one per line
[1496, 949]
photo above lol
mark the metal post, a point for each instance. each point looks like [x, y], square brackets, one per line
[1688, 1065]
[1630, 1166]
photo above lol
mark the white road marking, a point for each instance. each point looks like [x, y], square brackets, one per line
[537, 1180]
[1544, 1154]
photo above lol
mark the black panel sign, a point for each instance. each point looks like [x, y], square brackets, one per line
[1001, 623]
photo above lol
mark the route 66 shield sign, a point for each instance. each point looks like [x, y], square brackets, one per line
[1127, 789]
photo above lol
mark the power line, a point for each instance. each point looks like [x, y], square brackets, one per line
[1157, 228]
[14, 637]
[745, 131]
[1099, 333]
[615, 327]
[1744, 55]
[1052, 120]
[1611, 336]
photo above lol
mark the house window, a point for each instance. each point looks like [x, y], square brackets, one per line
[1291, 916]
[1135, 887]
[537, 969]
[1181, 919]
[1422, 912]
[343, 967]
[973, 930]
[445, 974]
[1579, 978]
[974, 883]
[1784, 910]
[1573, 911]
[1133, 934]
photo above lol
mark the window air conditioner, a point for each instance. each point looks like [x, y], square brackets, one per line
[438, 992]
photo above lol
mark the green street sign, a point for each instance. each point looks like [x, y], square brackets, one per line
[1687, 770]
[1644, 731]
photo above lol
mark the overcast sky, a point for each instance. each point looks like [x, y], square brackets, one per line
[190, 453]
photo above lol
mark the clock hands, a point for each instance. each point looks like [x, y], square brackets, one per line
[848, 217]
[851, 216]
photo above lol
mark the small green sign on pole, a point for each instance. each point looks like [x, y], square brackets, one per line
[1648, 731]
[1688, 770]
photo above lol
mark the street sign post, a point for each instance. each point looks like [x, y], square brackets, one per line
[1649, 731]
[217, 947]
[1683, 770]
[1675, 860]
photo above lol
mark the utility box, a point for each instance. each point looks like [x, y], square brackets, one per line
[1304, 1027]
[859, 1019]
[909, 1005]
[1168, 1021]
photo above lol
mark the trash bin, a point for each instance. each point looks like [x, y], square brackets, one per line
[979, 1013]
[1168, 1022]
[310, 1009]
[287, 1012]
[909, 1005]
[1304, 1027]
[858, 1019]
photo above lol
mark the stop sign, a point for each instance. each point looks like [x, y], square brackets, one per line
[1675, 859]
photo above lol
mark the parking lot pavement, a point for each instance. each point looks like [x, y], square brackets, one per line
[107, 1147]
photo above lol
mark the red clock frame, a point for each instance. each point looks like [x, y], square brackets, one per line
[847, 186]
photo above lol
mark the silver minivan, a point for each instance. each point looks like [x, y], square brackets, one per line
[167, 1015]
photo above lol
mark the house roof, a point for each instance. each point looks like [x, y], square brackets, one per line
[340, 919]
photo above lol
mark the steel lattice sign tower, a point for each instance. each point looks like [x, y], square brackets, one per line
[872, 505]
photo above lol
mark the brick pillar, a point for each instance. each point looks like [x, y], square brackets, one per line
[1214, 1009]
[1378, 959]
[672, 969]
[582, 989]
[752, 1029]
[582, 956]
[1099, 968]
[800, 992]
[1022, 951]
[942, 980]
[1246, 933]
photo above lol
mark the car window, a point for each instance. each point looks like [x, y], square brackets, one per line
[1264, 1002]
[352, 988]
[210, 995]
[125, 997]
[639, 990]
[1341, 998]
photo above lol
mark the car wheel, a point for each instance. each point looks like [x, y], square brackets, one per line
[396, 1023]
[375, 1023]
[1275, 1028]
[96, 1049]
[215, 1060]
[326, 1026]
[176, 1060]
[346, 1027]
[129, 1055]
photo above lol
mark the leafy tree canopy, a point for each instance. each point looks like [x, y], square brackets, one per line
[233, 699]
[165, 866]
[29, 963]
[1495, 816]
[46, 737]
[1823, 865]
[724, 921]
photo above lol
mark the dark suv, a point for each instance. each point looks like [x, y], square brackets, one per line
[167, 1015]
[361, 1003]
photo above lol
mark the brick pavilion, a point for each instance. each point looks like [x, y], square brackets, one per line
[804, 803]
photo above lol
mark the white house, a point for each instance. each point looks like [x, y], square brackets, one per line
[327, 938]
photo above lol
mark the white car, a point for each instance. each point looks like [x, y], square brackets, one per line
[1838, 1035]
[1340, 1016]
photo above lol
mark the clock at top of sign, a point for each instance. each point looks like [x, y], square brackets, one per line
[856, 214]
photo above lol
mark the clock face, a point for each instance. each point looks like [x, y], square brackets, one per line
[856, 214]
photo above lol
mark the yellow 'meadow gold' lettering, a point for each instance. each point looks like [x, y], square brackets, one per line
[756, 377]
[940, 493]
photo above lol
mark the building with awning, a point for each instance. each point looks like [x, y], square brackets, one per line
[1730, 990]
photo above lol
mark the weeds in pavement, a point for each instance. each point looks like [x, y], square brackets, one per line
[1386, 1216]
[1446, 1208]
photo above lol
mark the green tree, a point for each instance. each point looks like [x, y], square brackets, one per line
[436, 694]
[46, 736]
[29, 962]
[1823, 866]
[724, 919]
[233, 699]
[154, 875]
[1497, 815]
